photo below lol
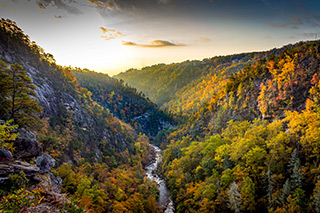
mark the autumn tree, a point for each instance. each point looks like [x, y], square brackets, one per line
[6, 135]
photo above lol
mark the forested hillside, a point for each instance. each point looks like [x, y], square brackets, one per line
[48, 120]
[254, 147]
[124, 102]
[182, 88]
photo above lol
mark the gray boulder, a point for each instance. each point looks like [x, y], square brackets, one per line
[45, 163]
[5, 154]
[26, 145]
[15, 167]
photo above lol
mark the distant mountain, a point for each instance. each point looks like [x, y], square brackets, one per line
[124, 102]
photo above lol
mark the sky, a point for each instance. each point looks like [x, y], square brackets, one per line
[111, 36]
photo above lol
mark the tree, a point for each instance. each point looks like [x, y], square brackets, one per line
[316, 196]
[7, 135]
[296, 179]
[248, 194]
[4, 91]
[18, 103]
[262, 101]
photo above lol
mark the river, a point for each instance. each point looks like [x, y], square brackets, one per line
[165, 202]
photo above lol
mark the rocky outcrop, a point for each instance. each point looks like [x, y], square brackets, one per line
[5, 155]
[49, 182]
[53, 203]
[45, 163]
[56, 183]
[16, 167]
[152, 122]
[26, 145]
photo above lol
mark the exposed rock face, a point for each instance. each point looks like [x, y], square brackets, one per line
[49, 182]
[56, 183]
[26, 145]
[15, 167]
[56, 100]
[5, 154]
[148, 121]
[45, 163]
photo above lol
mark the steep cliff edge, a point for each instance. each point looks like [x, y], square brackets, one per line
[64, 102]
[75, 146]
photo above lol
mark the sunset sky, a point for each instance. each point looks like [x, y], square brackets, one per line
[112, 36]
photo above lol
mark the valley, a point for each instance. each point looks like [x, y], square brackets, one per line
[235, 133]
[165, 201]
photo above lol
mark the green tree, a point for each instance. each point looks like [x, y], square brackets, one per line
[7, 135]
[18, 101]
[4, 90]
[248, 194]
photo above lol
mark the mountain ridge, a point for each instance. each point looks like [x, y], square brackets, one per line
[175, 98]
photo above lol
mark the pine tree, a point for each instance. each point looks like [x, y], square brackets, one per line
[4, 92]
[285, 191]
[316, 196]
[270, 188]
[16, 96]
[296, 179]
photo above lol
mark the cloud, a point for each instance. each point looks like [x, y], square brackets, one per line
[153, 44]
[277, 25]
[110, 34]
[102, 5]
[310, 17]
[296, 20]
[161, 43]
[129, 43]
[65, 5]
[130, 6]
[283, 25]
